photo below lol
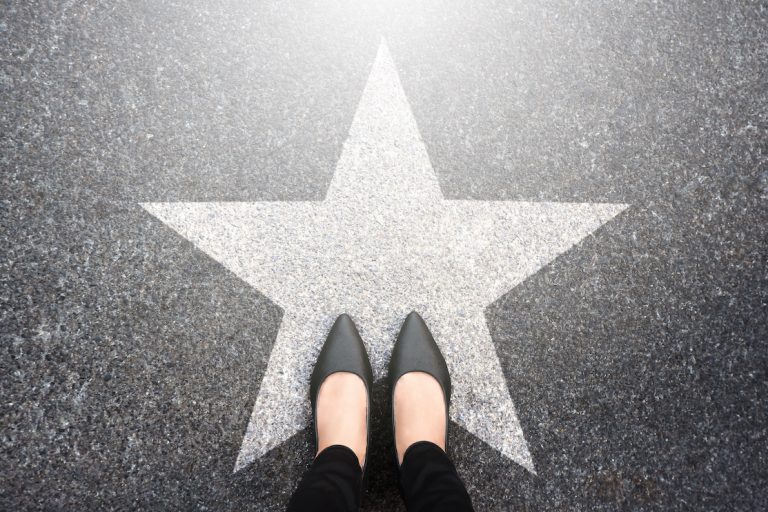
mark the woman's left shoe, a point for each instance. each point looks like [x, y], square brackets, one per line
[343, 351]
[416, 351]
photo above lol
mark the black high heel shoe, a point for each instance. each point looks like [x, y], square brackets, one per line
[344, 351]
[416, 351]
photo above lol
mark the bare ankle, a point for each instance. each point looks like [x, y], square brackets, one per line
[419, 405]
[341, 414]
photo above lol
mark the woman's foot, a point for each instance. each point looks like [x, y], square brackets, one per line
[341, 413]
[419, 409]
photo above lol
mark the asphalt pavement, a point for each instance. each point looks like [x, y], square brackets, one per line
[626, 338]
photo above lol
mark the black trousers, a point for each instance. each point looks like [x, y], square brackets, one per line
[428, 482]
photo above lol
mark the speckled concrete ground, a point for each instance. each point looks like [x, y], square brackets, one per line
[131, 360]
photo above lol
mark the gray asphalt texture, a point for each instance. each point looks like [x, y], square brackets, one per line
[636, 361]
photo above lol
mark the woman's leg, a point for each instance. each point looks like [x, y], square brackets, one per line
[428, 479]
[429, 482]
[331, 484]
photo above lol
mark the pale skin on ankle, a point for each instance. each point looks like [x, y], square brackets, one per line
[341, 413]
[419, 407]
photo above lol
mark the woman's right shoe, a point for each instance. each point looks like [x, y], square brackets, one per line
[343, 351]
[416, 351]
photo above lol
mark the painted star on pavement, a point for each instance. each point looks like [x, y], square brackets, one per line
[382, 243]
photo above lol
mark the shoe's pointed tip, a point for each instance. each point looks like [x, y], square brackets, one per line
[414, 318]
[414, 325]
[344, 320]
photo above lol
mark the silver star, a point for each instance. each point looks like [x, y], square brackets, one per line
[382, 243]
